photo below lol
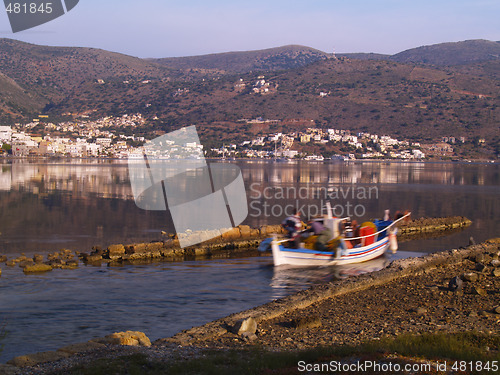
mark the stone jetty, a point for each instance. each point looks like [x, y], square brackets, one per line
[239, 241]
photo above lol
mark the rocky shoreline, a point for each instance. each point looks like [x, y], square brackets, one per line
[239, 241]
[450, 291]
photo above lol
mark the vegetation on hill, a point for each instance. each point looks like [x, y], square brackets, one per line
[272, 59]
[457, 53]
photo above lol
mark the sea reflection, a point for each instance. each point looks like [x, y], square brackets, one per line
[287, 279]
[110, 179]
[372, 173]
[82, 203]
[103, 180]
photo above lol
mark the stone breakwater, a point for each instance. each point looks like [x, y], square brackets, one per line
[429, 225]
[239, 241]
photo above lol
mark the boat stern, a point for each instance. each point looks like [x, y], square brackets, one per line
[278, 258]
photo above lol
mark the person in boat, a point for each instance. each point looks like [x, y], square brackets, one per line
[347, 229]
[324, 234]
[355, 233]
[400, 214]
[293, 225]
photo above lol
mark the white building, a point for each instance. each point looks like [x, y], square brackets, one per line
[418, 154]
[5, 134]
[289, 153]
[104, 142]
[93, 149]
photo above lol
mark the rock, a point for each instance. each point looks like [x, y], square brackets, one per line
[244, 230]
[480, 267]
[480, 258]
[263, 231]
[254, 233]
[421, 310]
[154, 247]
[455, 284]
[496, 272]
[115, 251]
[34, 359]
[10, 263]
[139, 248]
[97, 250]
[36, 268]
[37, 258]
[470, 276]
[248, 325]
[53, 256]
[94, 258]
[172, 243]
[0, 272]
[495, 263]
[480, 291]
[231, 234]
[486, 314]
[496, 310]
[275, 229]
[3, 258]
[56, 263]
[129, 338]
[306, 322]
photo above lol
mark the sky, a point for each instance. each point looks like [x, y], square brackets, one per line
[167, 28]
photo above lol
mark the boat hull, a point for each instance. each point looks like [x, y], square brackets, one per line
[307, 257]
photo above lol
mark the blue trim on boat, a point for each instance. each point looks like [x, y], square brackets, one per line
[329, 253]
[303, 250]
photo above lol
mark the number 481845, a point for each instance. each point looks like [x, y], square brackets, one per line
[28, 8]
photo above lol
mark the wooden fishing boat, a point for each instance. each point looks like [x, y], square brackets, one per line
[340, 249]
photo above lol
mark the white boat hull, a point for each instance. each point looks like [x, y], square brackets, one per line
[308, 257]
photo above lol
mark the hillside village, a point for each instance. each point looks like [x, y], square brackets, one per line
[104, 138]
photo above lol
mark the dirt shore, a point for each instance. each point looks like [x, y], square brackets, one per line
[411, 295]
[451, 291]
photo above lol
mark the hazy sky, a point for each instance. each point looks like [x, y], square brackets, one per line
[164, 28]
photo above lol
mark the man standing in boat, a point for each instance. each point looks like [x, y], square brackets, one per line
[293, 225]
[324, 234]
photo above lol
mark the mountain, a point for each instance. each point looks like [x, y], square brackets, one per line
[57, 70]
[361, 92]
[272, 59]
[458, 53]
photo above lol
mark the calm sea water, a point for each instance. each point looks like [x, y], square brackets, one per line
[47, 311]
[78, 204]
